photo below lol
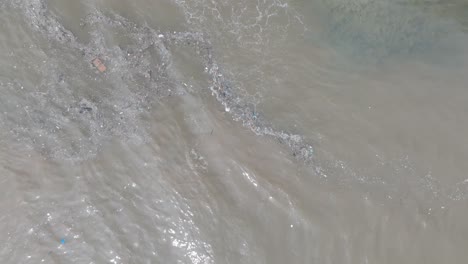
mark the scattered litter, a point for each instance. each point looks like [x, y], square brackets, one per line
[85, 106]
[99, 65]
[62, 241]
[84, 109]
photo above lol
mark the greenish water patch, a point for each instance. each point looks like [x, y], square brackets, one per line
[375, 30]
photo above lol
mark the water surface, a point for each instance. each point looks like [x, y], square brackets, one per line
[269, 131]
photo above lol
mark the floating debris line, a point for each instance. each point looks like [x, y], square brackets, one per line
[136, 75]
[45, 22]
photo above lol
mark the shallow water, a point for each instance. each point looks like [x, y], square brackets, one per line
[267, 131]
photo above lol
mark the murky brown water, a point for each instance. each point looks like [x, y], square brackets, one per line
[267, 131]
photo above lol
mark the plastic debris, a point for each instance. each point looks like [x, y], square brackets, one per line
[97, 62]
[62, 241]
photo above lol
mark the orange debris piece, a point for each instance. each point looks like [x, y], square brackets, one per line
[99, 65]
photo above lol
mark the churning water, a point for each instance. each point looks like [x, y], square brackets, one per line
[248, 131]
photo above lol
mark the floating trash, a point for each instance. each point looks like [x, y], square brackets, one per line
[99, 65]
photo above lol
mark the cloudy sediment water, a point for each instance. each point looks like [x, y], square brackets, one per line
[268, 131]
